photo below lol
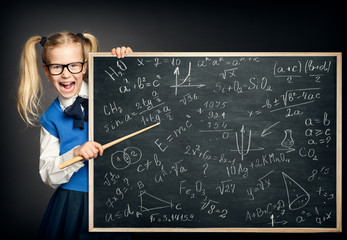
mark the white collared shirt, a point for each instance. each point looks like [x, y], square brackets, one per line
[50, 148]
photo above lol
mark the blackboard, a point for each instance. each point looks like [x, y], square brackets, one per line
[246, 142]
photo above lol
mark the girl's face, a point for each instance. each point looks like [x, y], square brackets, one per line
[67, 84]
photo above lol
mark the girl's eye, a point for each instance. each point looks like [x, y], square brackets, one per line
[56, 67]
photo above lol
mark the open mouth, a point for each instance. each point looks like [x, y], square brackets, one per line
[67, 86]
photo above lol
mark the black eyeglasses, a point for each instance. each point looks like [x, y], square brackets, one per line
[56, 69]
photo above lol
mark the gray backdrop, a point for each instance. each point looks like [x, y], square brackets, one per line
[221, 26]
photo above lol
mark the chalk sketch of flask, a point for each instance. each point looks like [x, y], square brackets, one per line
[288, 141]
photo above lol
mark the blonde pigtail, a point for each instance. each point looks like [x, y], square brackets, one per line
[91, 44]
[30, 86]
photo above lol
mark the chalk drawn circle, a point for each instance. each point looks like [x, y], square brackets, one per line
[118, 161]
[299, 202]
[122, 159]
[134, 154]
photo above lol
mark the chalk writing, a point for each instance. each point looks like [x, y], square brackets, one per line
[243, 141]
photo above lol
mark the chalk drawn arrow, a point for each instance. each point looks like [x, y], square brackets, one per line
[187, 78]
[266, 132]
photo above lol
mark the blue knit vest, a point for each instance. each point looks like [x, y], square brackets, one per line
[61, 126]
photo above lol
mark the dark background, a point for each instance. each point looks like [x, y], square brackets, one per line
[146, 26]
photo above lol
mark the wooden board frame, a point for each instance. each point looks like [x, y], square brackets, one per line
[338, 56]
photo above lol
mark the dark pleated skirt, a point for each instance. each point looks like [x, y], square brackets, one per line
[66, 218]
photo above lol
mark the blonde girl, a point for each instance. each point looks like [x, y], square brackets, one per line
[64, 128]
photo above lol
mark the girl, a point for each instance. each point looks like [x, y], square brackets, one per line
[64, 131]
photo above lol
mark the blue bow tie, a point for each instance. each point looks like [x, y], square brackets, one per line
[75, 111]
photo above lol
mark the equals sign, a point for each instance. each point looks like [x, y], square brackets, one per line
[169, 138]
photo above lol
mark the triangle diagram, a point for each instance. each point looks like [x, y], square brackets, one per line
[150, 202]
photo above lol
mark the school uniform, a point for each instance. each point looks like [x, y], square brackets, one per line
[66, 216]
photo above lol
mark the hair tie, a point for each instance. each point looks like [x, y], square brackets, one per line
[43, 41]
[81, 36]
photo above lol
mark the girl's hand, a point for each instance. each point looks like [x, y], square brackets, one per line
[88, 150]
[121, 52]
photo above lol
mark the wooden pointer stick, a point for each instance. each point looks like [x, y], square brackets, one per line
[107, 145]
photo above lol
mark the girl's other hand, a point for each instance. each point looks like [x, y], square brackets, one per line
[121, 52]
[89, 150]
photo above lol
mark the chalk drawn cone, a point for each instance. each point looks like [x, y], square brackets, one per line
[297, 196]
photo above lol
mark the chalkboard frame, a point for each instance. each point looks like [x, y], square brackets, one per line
[338, 56]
